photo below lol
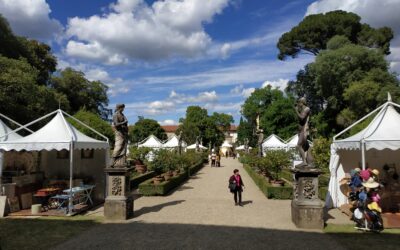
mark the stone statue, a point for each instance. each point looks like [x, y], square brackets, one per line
[180, 143]
[246, 145]
[120, 126]
[260, 136]
[303, 114]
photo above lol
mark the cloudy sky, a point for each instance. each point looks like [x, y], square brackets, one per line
[158, 57]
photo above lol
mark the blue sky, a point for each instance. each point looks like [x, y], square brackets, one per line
[158, 57]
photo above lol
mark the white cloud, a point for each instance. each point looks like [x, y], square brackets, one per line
[375, 13]
[244, 73]
[240, 90]
[168, 122]
[30, 18]
[135, 30]
[202, 97]
[280, 84]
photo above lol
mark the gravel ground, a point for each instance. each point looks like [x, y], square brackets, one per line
[201, 215]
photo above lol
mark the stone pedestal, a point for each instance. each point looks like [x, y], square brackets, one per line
[307, 208]
[119, 202]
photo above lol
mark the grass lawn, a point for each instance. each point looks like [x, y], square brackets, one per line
[41, 233]
[350, 238]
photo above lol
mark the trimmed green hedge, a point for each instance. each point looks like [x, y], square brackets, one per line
[135, 181]
[281, 193]
[147, 188]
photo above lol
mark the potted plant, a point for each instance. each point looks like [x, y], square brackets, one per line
[278, 159]
[138, 156]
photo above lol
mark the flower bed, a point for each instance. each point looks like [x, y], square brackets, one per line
[135, 181]
[148, 188]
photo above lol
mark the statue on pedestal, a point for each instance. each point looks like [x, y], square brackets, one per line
[120, 126]
[180, 143]
[197, 143]
[303, 114]
[260, 136]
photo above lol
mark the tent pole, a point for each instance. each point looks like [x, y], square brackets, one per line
[1, 171]
[363, 154]
[71, 163]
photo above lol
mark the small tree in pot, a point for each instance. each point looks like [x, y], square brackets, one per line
[278, 159]
[138, 155]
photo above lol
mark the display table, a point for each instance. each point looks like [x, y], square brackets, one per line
[80, 195]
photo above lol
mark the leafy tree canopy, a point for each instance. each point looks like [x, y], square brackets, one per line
[93, 120]
[143, 128]
[313, 33]
[80, 91]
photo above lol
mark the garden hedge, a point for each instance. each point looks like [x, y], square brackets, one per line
[281, 193]
[135, 181]
[147, 188]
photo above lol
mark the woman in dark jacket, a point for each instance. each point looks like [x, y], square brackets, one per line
[237, 185]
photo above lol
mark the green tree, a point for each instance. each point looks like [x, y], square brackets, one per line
[20, 97]
[276, 113]
[143, 128]
[209, 128]
[37, 54]
[81, 93]
[93, 120]
[245, 131]
[313, 33]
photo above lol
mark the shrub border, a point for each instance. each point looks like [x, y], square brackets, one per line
[147, 188]
[280, 193]
[135, 181]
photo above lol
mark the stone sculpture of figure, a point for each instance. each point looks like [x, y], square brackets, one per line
[180, 143]
[246, 145]
[197, 143]
[303, 114]
[260, 136]
[120, 126]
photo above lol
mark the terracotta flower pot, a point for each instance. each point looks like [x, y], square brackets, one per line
[278, 183]
[141, 168]
[157, 180]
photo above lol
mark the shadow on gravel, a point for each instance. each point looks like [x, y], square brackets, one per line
[244, 203]
[139, 235]
[145, 210]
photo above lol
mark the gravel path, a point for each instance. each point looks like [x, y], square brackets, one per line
[201, 215]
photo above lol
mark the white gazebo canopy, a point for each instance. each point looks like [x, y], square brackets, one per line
[58, 134]
[173, 142]
[292, 142]
[193, 146]
[273, 142]
[226, 145]
[151, 142]
[7, 134]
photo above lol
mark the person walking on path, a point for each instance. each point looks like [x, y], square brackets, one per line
[236, 186]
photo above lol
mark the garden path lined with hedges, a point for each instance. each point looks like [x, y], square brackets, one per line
[201, 214]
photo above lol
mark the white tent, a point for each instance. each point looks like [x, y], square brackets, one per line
[241, 147]
[193, 146]
[273, 142]
[58, 134]
[292, 142]
[375, 145]
[173, 142]
[151, 142]
[226, 147]
[7, 134]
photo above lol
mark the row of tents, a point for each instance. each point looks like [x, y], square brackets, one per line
[173, 142]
